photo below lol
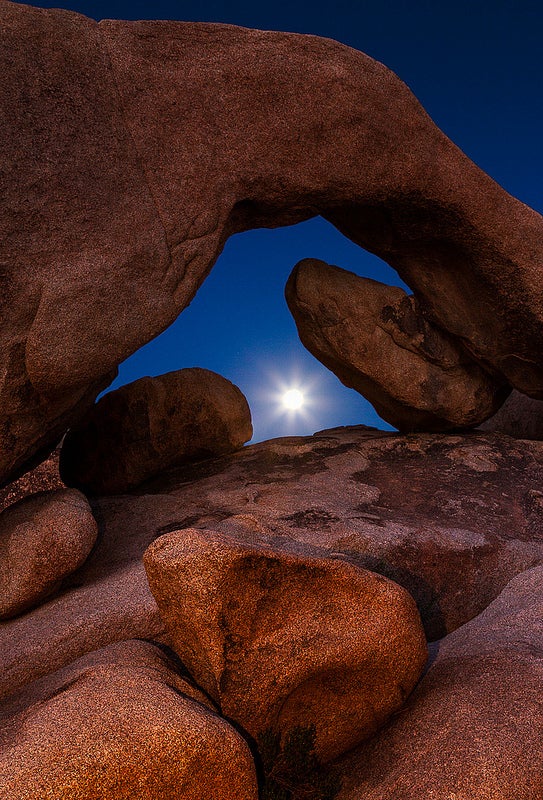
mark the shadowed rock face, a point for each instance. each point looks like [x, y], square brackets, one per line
[375, 339]
[473, 728]
[44, 478]
[108, 228]
[520, 417]
[151, 425]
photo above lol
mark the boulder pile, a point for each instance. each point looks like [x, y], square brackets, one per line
[258, 565]
[216, 621]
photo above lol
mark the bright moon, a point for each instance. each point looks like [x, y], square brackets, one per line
[293, 399]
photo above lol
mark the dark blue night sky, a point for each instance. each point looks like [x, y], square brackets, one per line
[476, 66]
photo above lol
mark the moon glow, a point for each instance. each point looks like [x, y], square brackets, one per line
[293, 399]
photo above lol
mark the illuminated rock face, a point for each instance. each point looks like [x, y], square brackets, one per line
[133, 150]
[259, 561]
[120, 723]
[422, 510]
[282, 636]
[130, 152]
[377, 341]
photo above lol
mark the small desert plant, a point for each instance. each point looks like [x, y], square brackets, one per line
[291, 768]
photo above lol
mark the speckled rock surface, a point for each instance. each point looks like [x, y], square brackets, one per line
[376, 340]
[43, 478]
[106, 600]
[281, 636]
[473, 728]
[421, 509]
[450, 518]
[107, 214]
[151, 425]
[520, 417]
[120, 724]
[43, 539]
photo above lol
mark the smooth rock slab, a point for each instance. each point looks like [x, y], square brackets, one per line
[120, 724]
[376, 340]
[43, 539]
[281, 637]
[473, 728]
[151, 425]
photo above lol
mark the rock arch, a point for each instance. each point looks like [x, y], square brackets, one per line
[133, 150]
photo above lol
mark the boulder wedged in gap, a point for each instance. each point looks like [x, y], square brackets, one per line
[377, 341]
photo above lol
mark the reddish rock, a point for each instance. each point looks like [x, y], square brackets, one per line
[106, 600]
[76, 211]
[43, 539]
[43, 478]
[107, 213]
[120, 723]
[151, 425]
[282, 637]
[421, 509]
[473, 728]
[520, 416]
[377, 341]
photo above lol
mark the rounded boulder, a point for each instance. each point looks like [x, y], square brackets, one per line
[43, 539]
[152, 425]
[282, 637]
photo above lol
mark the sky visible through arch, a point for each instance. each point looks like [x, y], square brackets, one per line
[477, 68]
